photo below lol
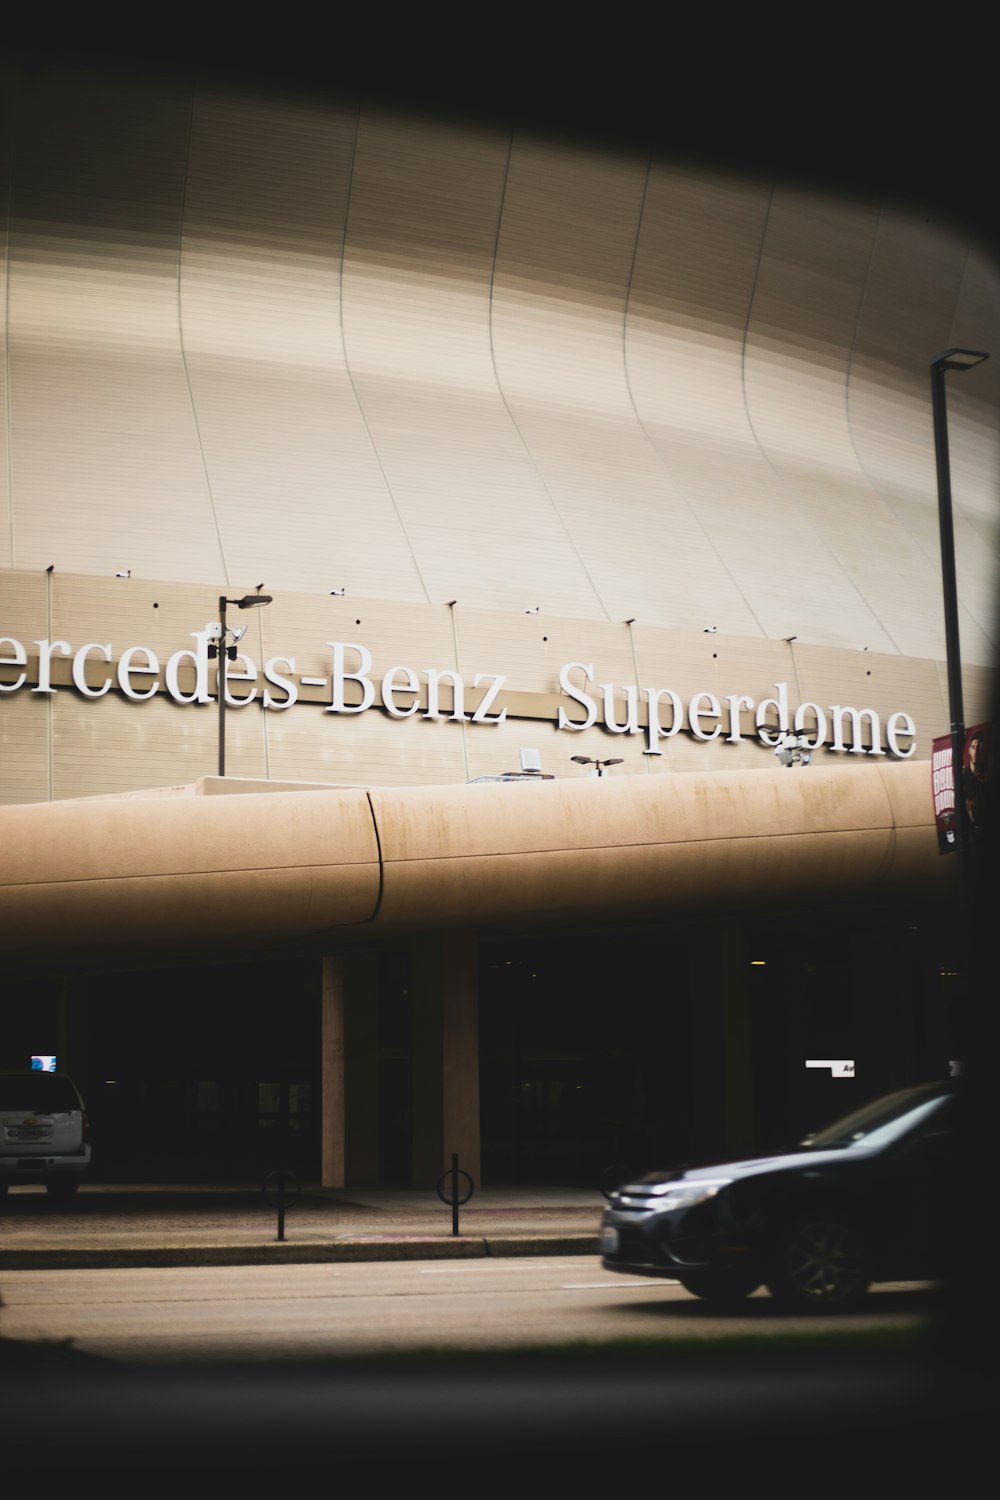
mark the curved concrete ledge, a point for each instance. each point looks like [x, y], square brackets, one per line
[314, 868]
[637, 845]
[110, 876]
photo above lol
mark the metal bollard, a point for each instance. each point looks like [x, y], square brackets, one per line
[281, 1178]
[451, 1177]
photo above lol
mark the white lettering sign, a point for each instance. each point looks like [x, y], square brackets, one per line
[80, 670]
[19, 659]
[482, 714]
[286, 684]
[200, 659]
[127, 664]
[656, 712]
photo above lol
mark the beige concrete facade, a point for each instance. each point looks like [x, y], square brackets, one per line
[251, 339]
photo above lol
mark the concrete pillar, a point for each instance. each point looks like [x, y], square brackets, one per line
[361, 1106]
[65, 1060]
[739, 1100]
[333, 1119]
[445, 1056]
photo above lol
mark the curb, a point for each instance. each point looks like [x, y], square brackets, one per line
[288, 1252]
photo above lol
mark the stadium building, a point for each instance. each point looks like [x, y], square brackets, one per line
[534, 498]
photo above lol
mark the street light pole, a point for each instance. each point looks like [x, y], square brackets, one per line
[220, 684]
[951, 359]
[249, 601]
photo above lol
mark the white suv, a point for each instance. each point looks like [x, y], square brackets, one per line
[44, 1132]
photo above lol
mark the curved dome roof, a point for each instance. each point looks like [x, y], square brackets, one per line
[252, 337]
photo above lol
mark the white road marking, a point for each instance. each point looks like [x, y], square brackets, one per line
[489, 1263]
[621, 1286]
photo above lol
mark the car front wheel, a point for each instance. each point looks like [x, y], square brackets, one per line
[722, 1286]
[61, 1189]
[820, 1265]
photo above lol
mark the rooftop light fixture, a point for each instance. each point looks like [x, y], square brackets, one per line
[794, 749]
[586, 760]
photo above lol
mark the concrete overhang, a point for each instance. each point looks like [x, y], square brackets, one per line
[101, 881]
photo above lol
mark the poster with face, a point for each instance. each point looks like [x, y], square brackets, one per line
[975, 784]
[977, 780]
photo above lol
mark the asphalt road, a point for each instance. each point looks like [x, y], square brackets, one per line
[154, 1316]
[461, 1374]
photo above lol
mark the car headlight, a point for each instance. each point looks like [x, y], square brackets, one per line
[686, 1194]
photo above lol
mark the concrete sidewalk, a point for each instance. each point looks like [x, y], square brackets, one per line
[215, 1224]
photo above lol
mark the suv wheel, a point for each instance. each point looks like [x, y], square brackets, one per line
[820, 1265]
[61, 1189]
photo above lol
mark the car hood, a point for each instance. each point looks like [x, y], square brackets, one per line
[749, 1166]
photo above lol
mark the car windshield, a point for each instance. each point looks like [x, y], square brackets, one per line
[40, 1093]
[879, 1123]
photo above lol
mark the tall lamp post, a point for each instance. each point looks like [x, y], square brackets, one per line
[951, 359]
[226, 650]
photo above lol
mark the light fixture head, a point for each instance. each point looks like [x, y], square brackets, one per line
[793, 749]
[252, 601]
[582, 760]
[958, 359]
[619, 761]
